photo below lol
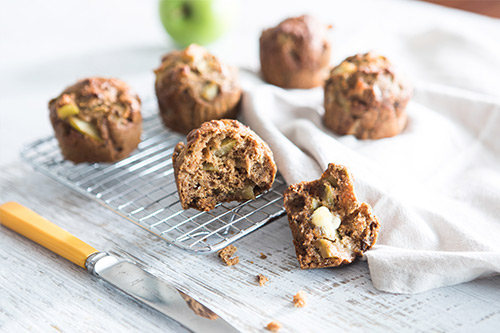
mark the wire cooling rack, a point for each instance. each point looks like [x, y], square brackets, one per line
[142, 189]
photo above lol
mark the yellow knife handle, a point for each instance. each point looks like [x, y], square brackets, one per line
[31, 225]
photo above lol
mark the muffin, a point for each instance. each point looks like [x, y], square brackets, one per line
[97, 120]
[193, 86]
[329, 226]
[365, 97]
[222, 161]
[296, 53]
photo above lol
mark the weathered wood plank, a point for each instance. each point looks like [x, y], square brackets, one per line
[42, 292]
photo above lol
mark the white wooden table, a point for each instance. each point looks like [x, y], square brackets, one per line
[43, 292]
[40, 291]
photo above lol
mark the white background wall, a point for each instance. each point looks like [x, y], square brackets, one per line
[47, 45]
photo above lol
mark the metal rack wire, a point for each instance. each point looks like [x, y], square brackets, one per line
[142, 189]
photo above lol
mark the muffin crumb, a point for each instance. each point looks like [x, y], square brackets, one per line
[226, 253]
[299, 300]
[263, 256]
[262, 279]
[274, 326]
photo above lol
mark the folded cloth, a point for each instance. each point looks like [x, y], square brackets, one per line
[435, 187]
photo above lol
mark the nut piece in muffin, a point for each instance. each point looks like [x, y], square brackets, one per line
[329, 226]
[97, 120]
[222, 161]
[295, 53]
[193, 86]
[365, 97]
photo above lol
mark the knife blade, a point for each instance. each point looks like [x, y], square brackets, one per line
[124, 275]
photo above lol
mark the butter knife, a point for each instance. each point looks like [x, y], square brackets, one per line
[124, 275]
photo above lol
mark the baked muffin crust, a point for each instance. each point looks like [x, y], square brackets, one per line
[193, 86]
[329, 226]
[295, 53]
[365, 97]
[222, 161]
[97, 120]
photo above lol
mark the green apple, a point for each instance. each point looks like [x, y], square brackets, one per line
[197, 21]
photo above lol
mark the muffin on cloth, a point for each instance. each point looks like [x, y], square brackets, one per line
[222, 161]
[97, 120]
[193, 86]
[365, 97]
[295, 53]
[329, 226]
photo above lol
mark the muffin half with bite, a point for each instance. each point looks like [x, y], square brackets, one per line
[193, 86]
[366, 97]
[222, 161]
[295, 53]
[97, 120]
[329, 226]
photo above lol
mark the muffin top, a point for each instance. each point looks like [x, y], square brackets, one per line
[95, 98]
[196, 70]
[301, 42]
[367, 78]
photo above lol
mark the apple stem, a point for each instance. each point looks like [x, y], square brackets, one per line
[186, 10]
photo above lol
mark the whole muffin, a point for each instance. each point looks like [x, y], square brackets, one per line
[193, 86]
[222, 161]
[365, 97]
[97, 120]
[296, 53]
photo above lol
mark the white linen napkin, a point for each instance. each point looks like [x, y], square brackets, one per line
[435, 188]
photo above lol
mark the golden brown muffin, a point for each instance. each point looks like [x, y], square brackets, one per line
[365, 97]
[193, 86]
[97, 120]
[222, 161]
[329, 226]
[296, 53]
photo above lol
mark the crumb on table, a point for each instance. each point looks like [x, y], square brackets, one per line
[226, 253]
[263, 256]
[262, 279]
[299, 300]
[274, 326]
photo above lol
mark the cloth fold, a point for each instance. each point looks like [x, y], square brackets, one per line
[435, 187]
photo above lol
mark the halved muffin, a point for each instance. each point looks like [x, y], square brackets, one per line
[97, 120]
[193, 86]
[222, 161]
[329, 226]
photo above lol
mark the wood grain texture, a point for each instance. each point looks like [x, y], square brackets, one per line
[45, 293]
[484, 7]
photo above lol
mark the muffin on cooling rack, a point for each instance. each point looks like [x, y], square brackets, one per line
[222, 161]
[193, 86]
[96, 120]
[296, 53]
[329, 226]
[365, 97]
